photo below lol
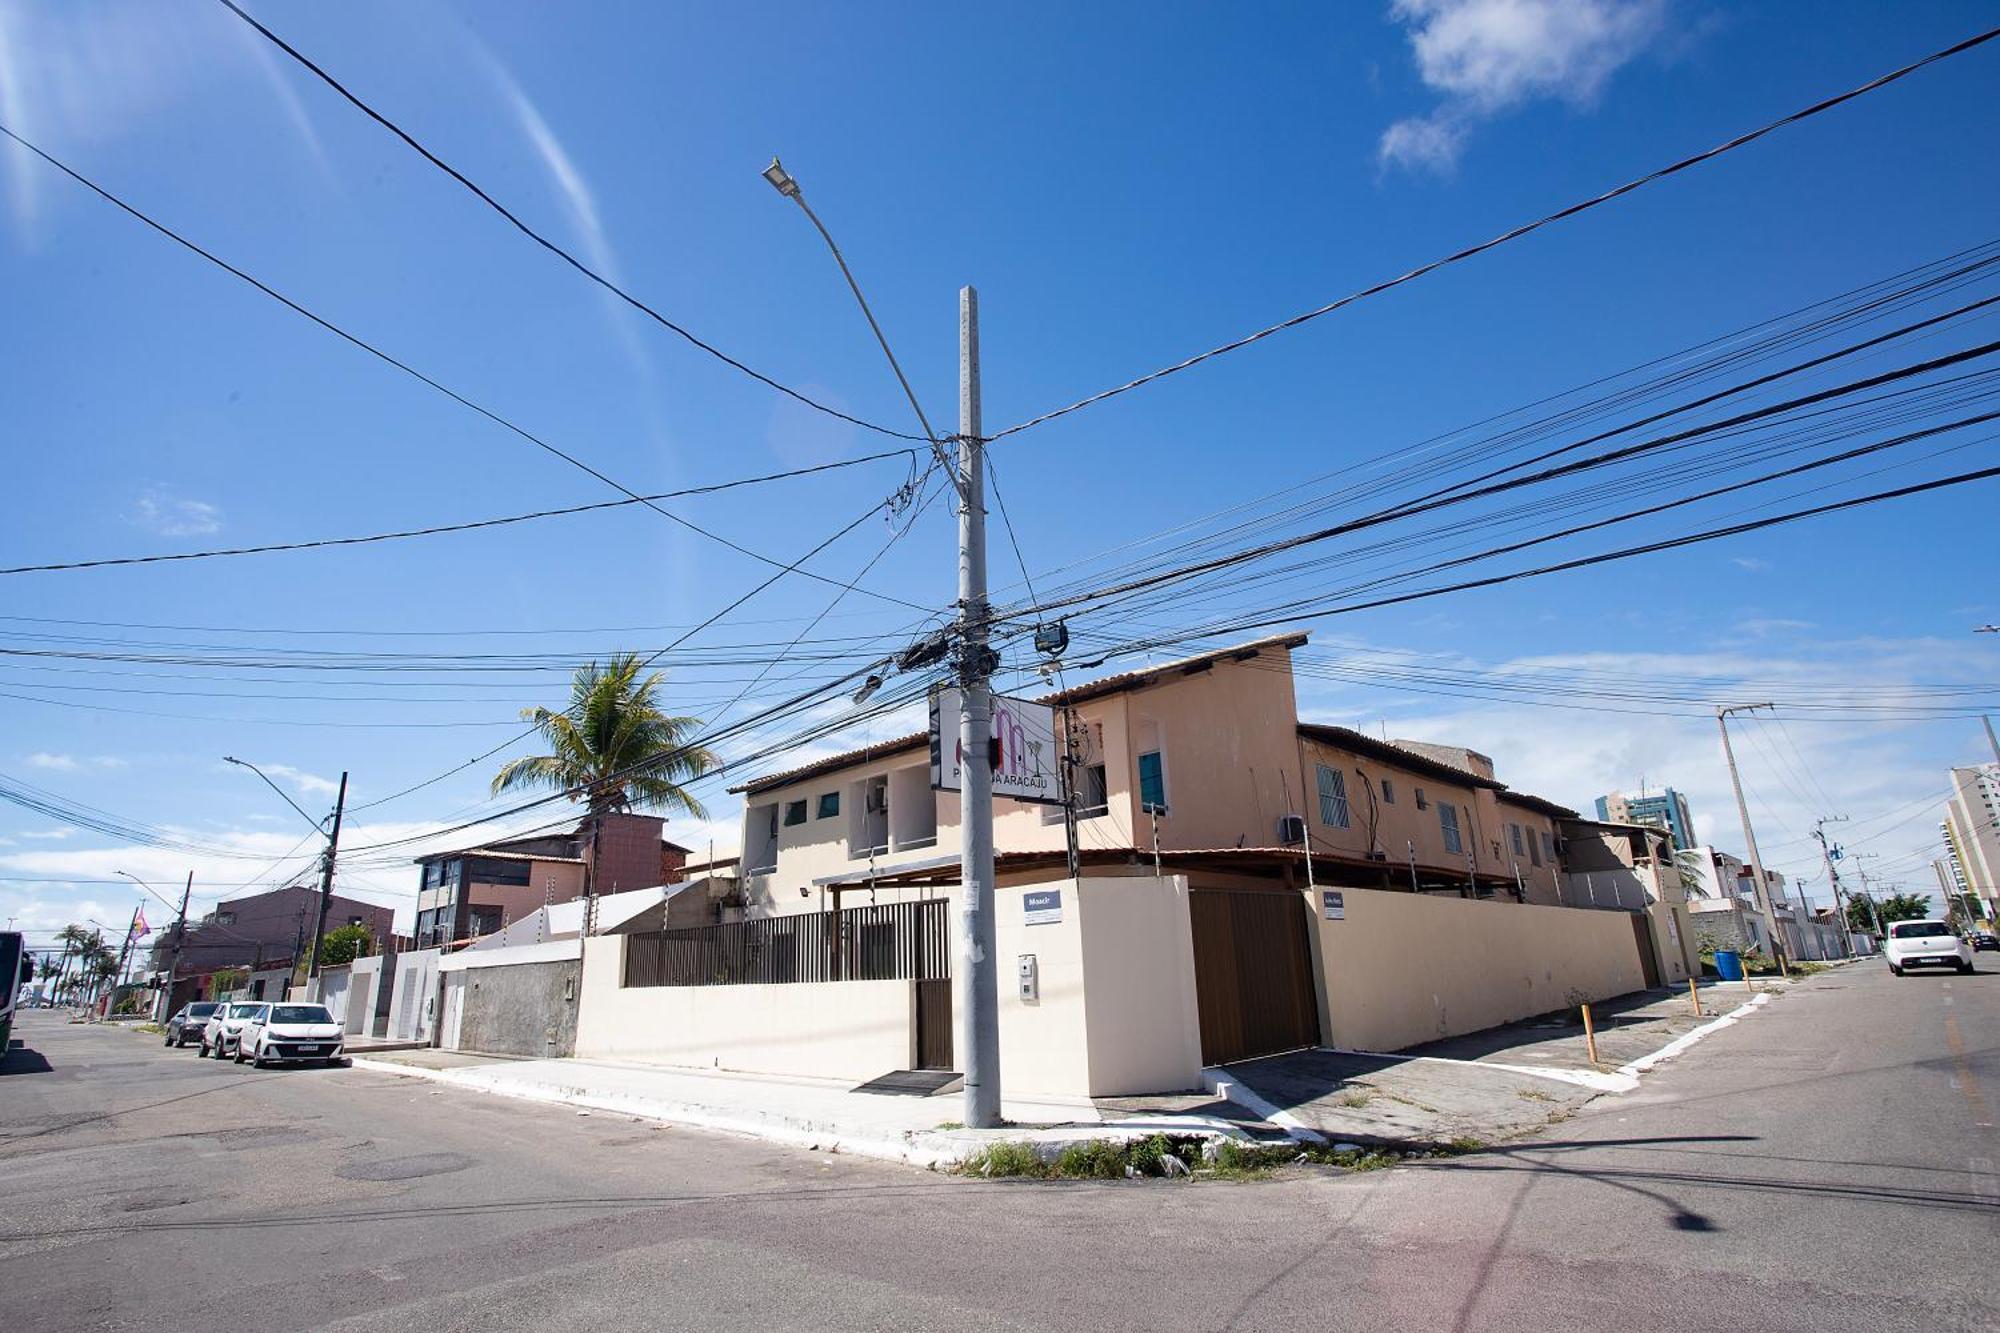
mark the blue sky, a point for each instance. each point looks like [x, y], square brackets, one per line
[1125, 184]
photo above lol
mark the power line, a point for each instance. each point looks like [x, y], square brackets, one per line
[374, 351]
[1513, 234]
[440, 529]
[1441, 499]
[1265, 619]
[549, 245]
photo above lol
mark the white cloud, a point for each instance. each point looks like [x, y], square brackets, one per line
[308, 784]
[69, 763]
[1750, 562]
[81, 74]
[50, 835]
[1488, 57]
[159, 510]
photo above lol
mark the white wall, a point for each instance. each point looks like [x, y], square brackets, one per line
[853, 1030]
[412, 996]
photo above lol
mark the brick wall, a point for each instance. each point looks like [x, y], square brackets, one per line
[628, 853]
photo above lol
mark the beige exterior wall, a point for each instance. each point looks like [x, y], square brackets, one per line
[1143, 1030]
[1403, 969]
[1228, 734]
[854, 1030]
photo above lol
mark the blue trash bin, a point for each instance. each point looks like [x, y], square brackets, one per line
[1729, 964]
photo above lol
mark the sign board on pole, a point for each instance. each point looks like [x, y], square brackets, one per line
[1333, 903]
[1024, 735]
[1041, 907]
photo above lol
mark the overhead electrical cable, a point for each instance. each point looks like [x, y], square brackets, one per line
[1428, 504]
[439, 529]
[1515, 233]
[418, 375]
[551, 246]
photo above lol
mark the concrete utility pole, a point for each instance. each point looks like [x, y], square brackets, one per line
[978, 987]
[1833, 878]
[326, 877]
[174, 956]
[1750, 838]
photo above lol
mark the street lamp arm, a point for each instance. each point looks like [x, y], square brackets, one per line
[319, 825]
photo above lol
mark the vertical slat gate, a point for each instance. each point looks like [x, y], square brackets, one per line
[1253, 973]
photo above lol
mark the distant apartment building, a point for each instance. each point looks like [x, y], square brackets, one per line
[474, 891]
[1971, 829]
[258, 933]
[1668, 810]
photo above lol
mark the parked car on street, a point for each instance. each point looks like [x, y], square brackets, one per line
[186, 1025]
[289, 1034]
[1985, 940]
[1925, 944]
[219, 1034]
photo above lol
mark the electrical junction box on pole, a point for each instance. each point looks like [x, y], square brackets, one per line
[1025, 748]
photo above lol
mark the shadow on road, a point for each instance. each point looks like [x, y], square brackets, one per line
[21, 1060]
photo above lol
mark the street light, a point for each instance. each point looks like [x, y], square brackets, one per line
[318, 824]
[781, 180]
[332, 837]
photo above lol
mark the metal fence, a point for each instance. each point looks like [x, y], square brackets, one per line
[886, 942]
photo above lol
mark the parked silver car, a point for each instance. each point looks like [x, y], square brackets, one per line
[289, 1034]
[225, 1025]
[186, 1025]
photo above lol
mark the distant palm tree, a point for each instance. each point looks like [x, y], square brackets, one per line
[613, 746]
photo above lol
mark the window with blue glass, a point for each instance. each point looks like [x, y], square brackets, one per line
[1152, 783]
[1332, 797]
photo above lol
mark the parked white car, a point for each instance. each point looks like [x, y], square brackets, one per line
[220, 1034]
[289, 1034]
[1926, 944]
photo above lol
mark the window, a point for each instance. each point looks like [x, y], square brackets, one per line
[1388, 792]
[1332, 797]
[795, 813]
[1152, 783]
[1448, 820]
[1535, 847]
[1091, 796]
[1514, 834]
[829, 805]
[1422, 804]
[760, 838]
[1548, 847]
[487, 871]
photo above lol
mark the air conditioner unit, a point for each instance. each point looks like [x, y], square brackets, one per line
[1291, 829]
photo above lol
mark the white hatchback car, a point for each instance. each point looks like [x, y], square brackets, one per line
[290, 1034]
[1926, 944]
[224, 1028]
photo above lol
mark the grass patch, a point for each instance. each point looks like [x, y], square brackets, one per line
[1358, 1098]
[156, 1029]
[1533, 1095]
[1163, 1156]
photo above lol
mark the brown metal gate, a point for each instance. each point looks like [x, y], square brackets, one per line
[1252, 973]
[934, 1024]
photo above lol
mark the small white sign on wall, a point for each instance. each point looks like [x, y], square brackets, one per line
[1333, 904]
[1042, 907]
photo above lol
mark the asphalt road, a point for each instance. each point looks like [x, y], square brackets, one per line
[1826, 1164]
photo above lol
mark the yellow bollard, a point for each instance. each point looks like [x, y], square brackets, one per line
[1694, 993]
[1589, 1034]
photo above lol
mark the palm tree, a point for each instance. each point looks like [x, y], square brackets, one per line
[613, 746]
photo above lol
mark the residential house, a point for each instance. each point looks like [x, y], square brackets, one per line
[1236, 881]
[1632, 867]
[474, 891]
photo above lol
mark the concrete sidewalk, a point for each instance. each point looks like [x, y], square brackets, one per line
[1488, 1086]
[820, 1114]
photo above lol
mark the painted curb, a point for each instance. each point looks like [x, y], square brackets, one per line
[1220, 1084]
